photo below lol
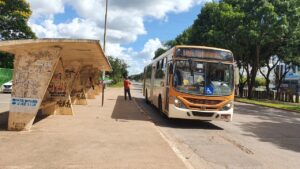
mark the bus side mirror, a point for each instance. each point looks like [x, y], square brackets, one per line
[171, 68]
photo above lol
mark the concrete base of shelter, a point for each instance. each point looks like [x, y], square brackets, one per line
[79, 101]
[64, 111]
[97, 90]
[91, 94]
[20, 121]
[50, 110]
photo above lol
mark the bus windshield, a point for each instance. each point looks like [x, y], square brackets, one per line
[203, 78]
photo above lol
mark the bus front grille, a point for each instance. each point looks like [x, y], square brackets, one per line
[202, 114]
[204, 108]
[203, 101]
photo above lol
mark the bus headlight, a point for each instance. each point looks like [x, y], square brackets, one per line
[178, 103]
[227, 106]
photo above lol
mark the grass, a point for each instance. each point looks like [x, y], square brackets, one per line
[292, 107]
[2, 81]
[5, 75]
[117, 85]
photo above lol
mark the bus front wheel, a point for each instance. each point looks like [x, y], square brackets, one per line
[160, 107]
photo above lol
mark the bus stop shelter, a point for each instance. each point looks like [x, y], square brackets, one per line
[50, 75]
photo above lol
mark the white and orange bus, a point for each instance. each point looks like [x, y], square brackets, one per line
[192, 82]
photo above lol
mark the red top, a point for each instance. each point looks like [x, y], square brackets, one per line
[127, 84]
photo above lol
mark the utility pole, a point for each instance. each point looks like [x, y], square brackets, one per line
[104, 49]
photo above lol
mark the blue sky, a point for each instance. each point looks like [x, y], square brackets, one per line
[136, 28]
[167, 30]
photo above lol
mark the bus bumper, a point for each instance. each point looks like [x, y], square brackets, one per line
[180, 113]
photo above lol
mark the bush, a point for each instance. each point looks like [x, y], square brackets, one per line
[5, 75]
[260, 82]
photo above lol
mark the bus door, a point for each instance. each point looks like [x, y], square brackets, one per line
[167, 87]
[152, 82]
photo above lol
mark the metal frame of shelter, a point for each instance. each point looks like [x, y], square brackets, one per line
[50, 75]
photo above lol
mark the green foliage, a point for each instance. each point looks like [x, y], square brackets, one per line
[137, 77]
[116, 85]
[183, 39]
[14, 15]
[253, 30]
[159, 52]
[5, 75]
[119, 69]
[260, 82]
[6, 60]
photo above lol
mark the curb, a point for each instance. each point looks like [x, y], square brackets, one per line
[172, 145]
[294, 111]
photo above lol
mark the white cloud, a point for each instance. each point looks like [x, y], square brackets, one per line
[77, 28]
[42, 8]
[125, 23]
[136, 60]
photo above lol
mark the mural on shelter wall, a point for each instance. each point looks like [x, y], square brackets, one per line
[32, 70]
[58, 85]
[32, 73]
[78, 94]
[62, 83]
[64, 103]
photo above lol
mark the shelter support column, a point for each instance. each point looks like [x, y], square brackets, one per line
[60, 87]
[96, 76]
[33, 71]
[78, 94]
[88, 81]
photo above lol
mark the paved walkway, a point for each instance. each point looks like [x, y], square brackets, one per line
[117, 135]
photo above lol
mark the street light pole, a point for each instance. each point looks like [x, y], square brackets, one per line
[105, 25]
[104, 49]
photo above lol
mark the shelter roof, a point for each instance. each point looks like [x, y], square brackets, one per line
[87, 52]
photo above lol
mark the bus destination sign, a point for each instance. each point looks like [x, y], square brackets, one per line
[205, 54]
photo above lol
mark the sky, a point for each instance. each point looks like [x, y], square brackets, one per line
[135, 29]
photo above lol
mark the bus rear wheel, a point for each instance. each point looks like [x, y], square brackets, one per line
[146, 97]
[160, 104]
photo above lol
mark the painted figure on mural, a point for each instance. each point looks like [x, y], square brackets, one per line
[91, 82]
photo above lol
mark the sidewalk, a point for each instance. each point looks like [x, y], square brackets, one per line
[114, 136]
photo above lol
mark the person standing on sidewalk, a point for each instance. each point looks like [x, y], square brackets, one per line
[127, 84]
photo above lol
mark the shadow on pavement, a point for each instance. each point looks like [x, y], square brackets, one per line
[3, 121]
[39, 117]
[161, 120]
[127, 110]
[274, 126]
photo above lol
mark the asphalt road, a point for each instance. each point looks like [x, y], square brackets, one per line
[258, 137]
[4, 102]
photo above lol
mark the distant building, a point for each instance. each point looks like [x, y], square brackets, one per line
[292, 80]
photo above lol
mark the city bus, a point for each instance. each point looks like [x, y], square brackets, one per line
[192, 82]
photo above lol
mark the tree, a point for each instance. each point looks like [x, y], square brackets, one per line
[6, 60]
[270, 65]
[119, 69]
[137, 77]
[159, 52]
[253, 30]
[14, 15]
[182, 39]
